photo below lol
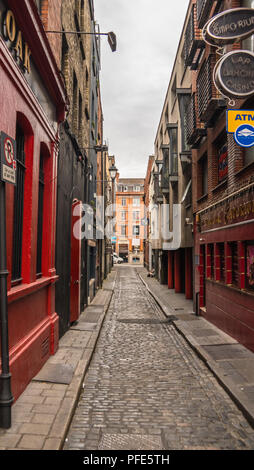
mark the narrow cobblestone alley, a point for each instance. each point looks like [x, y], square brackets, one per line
[146, 389]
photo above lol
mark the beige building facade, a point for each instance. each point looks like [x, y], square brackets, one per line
[170, 184]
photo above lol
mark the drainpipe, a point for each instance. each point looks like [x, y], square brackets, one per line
[6, 398]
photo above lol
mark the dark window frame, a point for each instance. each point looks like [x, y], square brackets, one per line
[249, 286]
[18, 207]
[40, 217]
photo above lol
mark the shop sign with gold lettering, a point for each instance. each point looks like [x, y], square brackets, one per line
[234, 74]
[14, 38]
[229, 212]
[229, 26]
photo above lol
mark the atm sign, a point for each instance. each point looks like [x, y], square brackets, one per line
[237, 117]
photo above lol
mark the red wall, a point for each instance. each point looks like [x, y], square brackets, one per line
[229, 308]
[232, 311]
[33, 323]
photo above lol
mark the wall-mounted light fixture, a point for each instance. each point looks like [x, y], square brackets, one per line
[111, 36]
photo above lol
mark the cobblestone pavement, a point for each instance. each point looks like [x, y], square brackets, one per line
[146, 389]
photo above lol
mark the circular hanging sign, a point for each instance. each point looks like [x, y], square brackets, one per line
[229, 26]
[234, 74]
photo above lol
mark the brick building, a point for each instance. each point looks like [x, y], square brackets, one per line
[73, 161]
[130, 213]
[223, 184]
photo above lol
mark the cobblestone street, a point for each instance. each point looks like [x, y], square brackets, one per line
[146, 389]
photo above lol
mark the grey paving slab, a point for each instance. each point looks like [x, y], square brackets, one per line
[223, 352]
[55, 373]
[83, 325]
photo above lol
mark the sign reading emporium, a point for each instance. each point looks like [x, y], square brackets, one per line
[230, 25]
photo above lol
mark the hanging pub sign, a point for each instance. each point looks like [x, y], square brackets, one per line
[7, 159]
[229, 26]
[234, 74]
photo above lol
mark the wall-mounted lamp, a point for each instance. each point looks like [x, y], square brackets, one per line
[111, 36]
[188, 221]
[159, 164]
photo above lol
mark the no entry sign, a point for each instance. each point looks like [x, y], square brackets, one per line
[8, 159]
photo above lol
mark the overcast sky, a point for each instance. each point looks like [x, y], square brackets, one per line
[134, 80]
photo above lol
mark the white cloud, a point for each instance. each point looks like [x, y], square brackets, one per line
[134, 79]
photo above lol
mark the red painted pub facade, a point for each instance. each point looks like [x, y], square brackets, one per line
[223, 195]
[32, 98]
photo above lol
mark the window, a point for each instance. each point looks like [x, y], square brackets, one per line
[136, 216]
[248, 156]
[80, 119]
[77, 9]
[136, 230]
[93, 110]
[184, 101]
[137, 188]
[249, 42]
[123, 230]
[82, 15]
[250, 265]
[75, 103]
[221, 250]
[123, 215]
[40, 217]
[18, 206]
[210, 260]
[65, 59]
[222, 161]
[172, 130]
[123, 202]
[235, 269]
[173, 91]
[136, 201]
[203, 176]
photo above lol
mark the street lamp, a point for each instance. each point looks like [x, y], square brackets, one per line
[113, 172]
